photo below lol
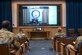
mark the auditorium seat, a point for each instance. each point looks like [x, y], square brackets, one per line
[57, 46]
[60, 44]
[26, 45]
[5, 49]
[73, 51]
[80, 31]
[71, 32]
[62, 49]
[23, 49]
[80, 48]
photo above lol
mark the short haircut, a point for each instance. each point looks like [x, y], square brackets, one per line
[5, 24]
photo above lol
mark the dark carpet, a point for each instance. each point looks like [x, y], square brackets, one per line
[40, 47]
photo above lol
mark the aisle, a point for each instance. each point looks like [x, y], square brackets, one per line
[40, 47]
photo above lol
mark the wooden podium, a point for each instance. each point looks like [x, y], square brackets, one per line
[38, 34]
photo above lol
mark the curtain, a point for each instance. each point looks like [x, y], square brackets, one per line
[73, 15]
[6, 12]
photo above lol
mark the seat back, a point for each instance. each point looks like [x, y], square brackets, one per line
[57, 46]
[4, 48]
[72, 50]
[80, 48]
[62, 49]
[80, 31]
[71, 32]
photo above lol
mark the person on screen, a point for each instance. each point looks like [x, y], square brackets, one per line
[59, 33]
[35, 21]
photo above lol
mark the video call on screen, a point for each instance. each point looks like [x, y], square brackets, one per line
[39, 15]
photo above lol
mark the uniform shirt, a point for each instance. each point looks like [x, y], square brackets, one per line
[21, 35]
[60, 34]
[78, 40]
[7, 36]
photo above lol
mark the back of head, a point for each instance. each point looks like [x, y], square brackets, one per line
[5, 24]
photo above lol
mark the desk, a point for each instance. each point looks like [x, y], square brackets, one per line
[38, 34]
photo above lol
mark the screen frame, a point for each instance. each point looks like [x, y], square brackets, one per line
[59, 10]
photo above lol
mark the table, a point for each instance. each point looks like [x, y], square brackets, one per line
[38, 34]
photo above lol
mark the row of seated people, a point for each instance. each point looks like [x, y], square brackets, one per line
[67, 45]
[61, 43]
[10, 43]
[76, 48]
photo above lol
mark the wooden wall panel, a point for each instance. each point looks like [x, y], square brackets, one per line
[52, 30]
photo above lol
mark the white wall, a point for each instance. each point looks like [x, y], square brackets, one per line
[14, 9]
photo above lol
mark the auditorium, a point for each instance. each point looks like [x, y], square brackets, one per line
[40, 27]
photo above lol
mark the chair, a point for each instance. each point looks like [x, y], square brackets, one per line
[57, 46]
[72, 51]
[80, 48]
[23, 48]
[80, 31]
[62, 49]
[26, 45]
[5, 49]
[71, 32]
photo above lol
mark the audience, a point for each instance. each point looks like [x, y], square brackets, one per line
[59, 33]
[78, 40]
[22, 34]
[7, 36]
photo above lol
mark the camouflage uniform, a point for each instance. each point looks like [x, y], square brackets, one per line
[78, 40]
[7, 36]
[21, 35]
[60, 34]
